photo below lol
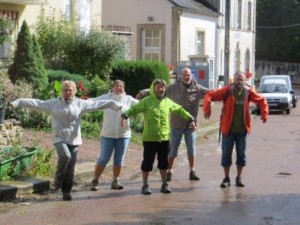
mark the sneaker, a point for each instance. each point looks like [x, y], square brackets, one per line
[238, 182]
[169, 176]
[165, 189]
[225, 183]
[116, 185]
[94, 186]
[146, 190]
[193, 176]
[67, 197]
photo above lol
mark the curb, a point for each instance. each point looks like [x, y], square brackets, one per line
[9, 190]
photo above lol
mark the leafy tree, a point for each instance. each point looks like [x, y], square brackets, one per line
[66, 47]
[278, 30]
[54, 32]
[93, 53]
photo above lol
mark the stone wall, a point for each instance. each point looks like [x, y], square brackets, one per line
[10, 131]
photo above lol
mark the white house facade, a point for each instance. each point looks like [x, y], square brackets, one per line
[242, 37]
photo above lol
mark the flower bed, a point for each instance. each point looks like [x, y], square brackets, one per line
[15, 160]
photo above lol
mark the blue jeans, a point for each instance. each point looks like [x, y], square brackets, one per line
[110, 145]
[228, 142]
[175, 139]
[67, 157]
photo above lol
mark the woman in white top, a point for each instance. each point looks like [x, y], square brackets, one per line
[66, 112]
[114, 138]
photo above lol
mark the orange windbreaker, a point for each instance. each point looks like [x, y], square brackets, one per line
[224, 94]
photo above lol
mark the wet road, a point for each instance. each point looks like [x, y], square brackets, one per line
[271, 195]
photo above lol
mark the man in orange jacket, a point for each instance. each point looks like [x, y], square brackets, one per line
[235, 122]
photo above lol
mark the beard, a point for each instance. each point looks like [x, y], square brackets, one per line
[117, 97]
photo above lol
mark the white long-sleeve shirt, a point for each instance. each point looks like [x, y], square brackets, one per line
[111, 126]
[66, 115]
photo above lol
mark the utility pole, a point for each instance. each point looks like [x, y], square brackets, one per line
[227, 41]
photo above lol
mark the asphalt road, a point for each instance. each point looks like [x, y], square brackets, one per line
[271, 195]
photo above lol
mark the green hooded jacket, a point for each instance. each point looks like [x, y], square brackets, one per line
[156, 114]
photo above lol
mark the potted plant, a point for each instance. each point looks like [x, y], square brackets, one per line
[15, 159]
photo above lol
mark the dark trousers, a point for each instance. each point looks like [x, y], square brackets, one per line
[151, 149]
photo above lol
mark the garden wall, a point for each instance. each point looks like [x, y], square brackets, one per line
[10, 131]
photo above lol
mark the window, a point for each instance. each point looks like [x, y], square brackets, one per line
[239, 8]
[200, 41]
[248, 25]
[151, 44]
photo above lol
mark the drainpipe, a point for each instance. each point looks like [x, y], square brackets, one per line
[227, 42]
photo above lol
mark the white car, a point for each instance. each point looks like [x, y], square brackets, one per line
[277, 94]
[286, 78]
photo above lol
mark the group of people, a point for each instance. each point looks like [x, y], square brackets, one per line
[170, 112]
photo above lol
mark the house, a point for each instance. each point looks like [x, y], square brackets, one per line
[17, 11]
[241, 36]
[169, 31]
[165, 30]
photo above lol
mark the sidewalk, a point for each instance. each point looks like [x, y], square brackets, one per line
[85, 167]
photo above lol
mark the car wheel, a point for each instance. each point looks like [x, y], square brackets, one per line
[288, 111]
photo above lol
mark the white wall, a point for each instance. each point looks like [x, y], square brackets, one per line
[189, 24]
[132, 12]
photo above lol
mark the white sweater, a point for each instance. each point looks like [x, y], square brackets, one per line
[66, 115]
[111, 126]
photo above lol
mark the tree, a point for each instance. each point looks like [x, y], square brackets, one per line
[66, 47]
[278, 30]
[40, 78]
[26, 64]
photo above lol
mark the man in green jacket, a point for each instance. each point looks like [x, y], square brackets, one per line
[156, 109]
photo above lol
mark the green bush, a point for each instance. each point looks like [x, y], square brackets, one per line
[100, 86]
[42, 164]
[61, 75]
[139, 75]
[66, 47]
[90, 124]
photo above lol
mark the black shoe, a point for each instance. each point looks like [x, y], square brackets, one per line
[193, 176]
[169, 176]
[67, 197]
[225, 183]
[146, 190]
[94, 186]
[238, 182]
[165, 189]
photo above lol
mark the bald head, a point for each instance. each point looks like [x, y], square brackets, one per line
[239, 79]
[186, 75]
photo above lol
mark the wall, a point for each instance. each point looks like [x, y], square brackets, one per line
[10, 131]
[277, 68]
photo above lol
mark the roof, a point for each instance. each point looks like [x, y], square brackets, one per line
[194, 6]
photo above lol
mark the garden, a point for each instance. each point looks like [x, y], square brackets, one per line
[55, 49]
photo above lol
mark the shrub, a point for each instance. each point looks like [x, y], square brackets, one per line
[43, 164]
[61, 75]
[139, 75]
[27, 62]
[66, 47]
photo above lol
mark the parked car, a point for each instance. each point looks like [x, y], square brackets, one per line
[278, 95]
[286, 78]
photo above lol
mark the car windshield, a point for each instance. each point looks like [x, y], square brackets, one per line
[274, 88]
